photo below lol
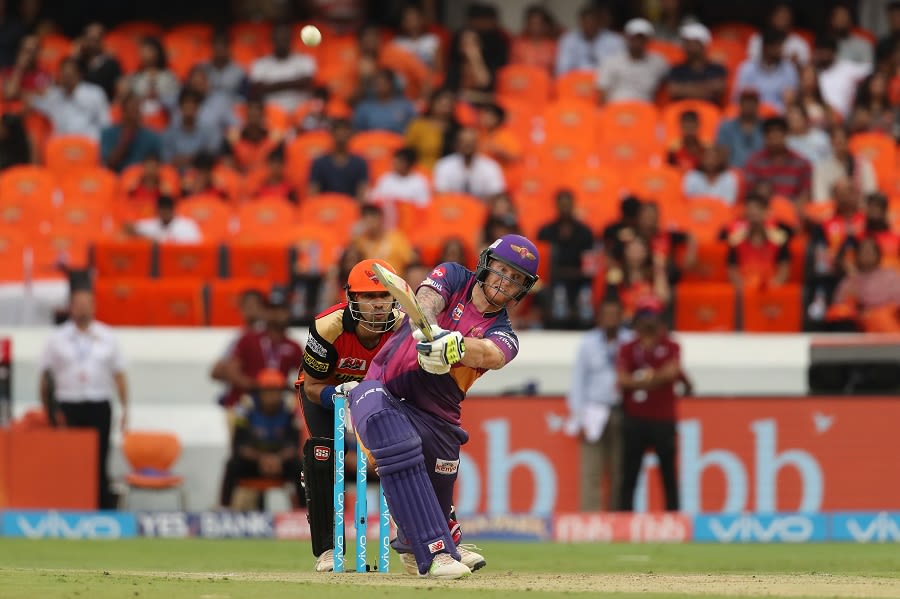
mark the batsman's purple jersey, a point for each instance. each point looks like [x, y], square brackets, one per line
[396, 365]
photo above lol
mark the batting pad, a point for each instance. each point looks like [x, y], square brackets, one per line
[397, 450]
[318, 479]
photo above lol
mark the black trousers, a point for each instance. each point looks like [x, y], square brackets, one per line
[239, 468]
[639, 436]
[319, 420]
[98, 416]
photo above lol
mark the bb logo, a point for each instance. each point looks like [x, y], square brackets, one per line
[458, 312]
[440, 271]
[321, 453]
[352, 363]
[436, 546]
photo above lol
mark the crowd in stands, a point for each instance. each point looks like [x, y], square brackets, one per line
[746, 177]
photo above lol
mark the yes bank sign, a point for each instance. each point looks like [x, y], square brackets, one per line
[736, 456]
[69, 525]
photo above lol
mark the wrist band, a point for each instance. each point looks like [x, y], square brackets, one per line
[326, 397]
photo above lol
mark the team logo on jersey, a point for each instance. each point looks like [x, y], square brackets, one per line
[350, 363]
[476, 332]
[458, 312]
[439, 271]
[524, 252]
[321, 453]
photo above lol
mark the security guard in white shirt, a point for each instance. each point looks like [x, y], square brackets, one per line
[86, 366]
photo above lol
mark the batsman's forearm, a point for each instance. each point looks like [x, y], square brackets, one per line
[481, 353]
[431, 303]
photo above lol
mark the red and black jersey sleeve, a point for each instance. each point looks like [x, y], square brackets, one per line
[320, 357]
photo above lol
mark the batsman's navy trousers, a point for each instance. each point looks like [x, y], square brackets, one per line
[441, 440]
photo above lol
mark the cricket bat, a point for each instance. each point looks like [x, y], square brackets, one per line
[403, 293]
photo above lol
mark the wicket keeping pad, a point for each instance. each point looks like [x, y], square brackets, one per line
[318, 478]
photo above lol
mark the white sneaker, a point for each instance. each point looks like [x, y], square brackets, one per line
[444, 566]
[325, 562]
[408, 560]
[467, 555]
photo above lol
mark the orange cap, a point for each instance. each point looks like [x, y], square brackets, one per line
[269, 378]
[362, 277]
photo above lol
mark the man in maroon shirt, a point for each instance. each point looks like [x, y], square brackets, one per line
[789, 173]
[256, 351]
[648, 369]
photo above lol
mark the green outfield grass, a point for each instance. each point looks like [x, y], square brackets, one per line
[204, 569]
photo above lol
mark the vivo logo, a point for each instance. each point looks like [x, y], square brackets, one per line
[54, 525]
[869, 528]
[760, 529]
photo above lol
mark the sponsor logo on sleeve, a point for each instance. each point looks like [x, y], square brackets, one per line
[446, 466]
[314, 364]
[438, 272]
[507, 339]
[313, 345]
[433, 284]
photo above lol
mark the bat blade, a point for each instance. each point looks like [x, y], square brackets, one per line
[403, 293]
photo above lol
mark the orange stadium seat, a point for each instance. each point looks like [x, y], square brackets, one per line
[169, 179]
[736, 32]
[407, 65]
[176, 302]
[92, 218]
[313, 248]
[525, 83]
[334, 212]
[53, 49]
[184, 52]
[211, 213]
[122, 302]
[726, 52]
[773, 310]
[521, 118]
[224, 299]
[577, 86]
[125, 48]
[378, 148]
[569, 121]
[151, 456]
[660, 184]
[705, 217]
[99, 185]
[671, 52]
[26, 197]
[137, 30]
[258, 219]
[881, 151]
[627, 135]
[451, 215]
[116, 258]
[706, 308]
[197, 261]
[68, 153]
[709, 114]
[199, 31]
[259, 260]
[783, 210]
[560, 158]
[63, 246]
[12, 255]
[711, 266]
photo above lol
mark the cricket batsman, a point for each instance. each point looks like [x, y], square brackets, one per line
[406, 412]
[342, 343]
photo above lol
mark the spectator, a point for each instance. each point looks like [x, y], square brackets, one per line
[848, 224]
[712, 178]
[809, 95]
[254, 142]
[623, 229]
[388, 110]
[402, 184]
[873, 110]
[342, 17]
[789, 173]
[851, 46]
[468, 73]
[634, 74]
[74, 106]
[375, 241]
[98, 66]
[434, 133]
[15, 148]
[332, 288]
[154, 83]
[697, 78]
[877, 227]
[665, 243]
[149, 186]
[25, 76]
[256, 351]
[811, 144]
[595, 409]
[467, 171]
[771, 75]
[339, 171]
[589, 46]
[454, 250]
[266, 440]
[284, 77]
[669, 20]
[638, 277]
[501, 218]
[317, 113]
[781, 19]
[129, 142]
[84, 362]
[417, 40]
[742, 136]
[648, 368]
[871, 290]
[838, 78]
[758, 254]
[166, 227]
[216, 109]
[275, 184]
[367, 67]
[537, 45]
[570, 289]
[225, 76]
[497, 140]
[888, 43]
[842, 164]
[200, 180]
[186, 137]
[686, 153]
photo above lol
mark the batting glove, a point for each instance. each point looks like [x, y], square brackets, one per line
[345, 388]
[439, 355]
